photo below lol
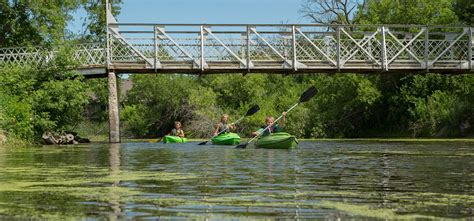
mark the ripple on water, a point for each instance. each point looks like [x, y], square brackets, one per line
[393, 180]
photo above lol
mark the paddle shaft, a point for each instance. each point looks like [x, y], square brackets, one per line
[161, 138]
[235, 122]
[266, 128]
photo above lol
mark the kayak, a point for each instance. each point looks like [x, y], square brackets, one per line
[280, 140]
[174, 139]
[226, 139]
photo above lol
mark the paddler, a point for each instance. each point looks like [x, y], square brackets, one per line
[269, 120]
[223, 125]
[177, 131]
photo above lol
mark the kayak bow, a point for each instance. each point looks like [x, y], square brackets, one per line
[280, 140]
[174, 139]
[226, 139]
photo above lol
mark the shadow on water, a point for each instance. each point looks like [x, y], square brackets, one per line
[317, 180]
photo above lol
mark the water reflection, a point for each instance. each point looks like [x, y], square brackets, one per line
[114, 159]
[325, 180]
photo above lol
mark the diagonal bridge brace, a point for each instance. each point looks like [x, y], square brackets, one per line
[287, 62]
[164, 36]
[360, 46]
[465, 32]
[315, 46]
[405, 47]
[242, 61]
[114, 31]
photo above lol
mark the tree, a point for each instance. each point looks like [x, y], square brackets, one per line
[39, 99]
[465, 11]
[96, 17]
[159, 101]
[331, 11]
[34, 22]
[344, 105]
[426, 12]
[434, 105]
[48, 97]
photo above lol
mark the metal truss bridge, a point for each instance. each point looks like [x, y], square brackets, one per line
[265, 48]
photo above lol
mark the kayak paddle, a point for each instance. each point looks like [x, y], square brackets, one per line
[161, 138]
[164, 135]
[306, 96]
[250, 112]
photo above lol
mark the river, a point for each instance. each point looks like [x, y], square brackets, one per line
[330, 179]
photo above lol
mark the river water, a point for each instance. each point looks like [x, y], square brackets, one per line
[331, 180]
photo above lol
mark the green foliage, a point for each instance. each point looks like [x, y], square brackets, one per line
[428, 12]
[434, 104]
[134, 121]
[96, 17]
[347, 105]
[96, 110]
[16, 117]
[465, 11]
[342, 99]
[344, 105]
[165, 97]
[204, 106]
[37, 99]
[34, 22]
[62, 101]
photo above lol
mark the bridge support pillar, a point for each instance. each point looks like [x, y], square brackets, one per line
[114, 120]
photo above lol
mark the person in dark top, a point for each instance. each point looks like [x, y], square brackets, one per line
[273, 129]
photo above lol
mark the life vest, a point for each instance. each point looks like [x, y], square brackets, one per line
[273, 129]
[175, 132]
[225, 128]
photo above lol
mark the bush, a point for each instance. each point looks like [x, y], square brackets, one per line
[37, 99]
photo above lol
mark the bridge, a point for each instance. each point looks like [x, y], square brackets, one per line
[266, 48]
[259, 48]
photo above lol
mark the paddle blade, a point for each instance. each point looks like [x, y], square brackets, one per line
[308, 94]
[242, 146]
[203, 143]
[252, 110]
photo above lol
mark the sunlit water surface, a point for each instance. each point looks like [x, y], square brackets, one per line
[317, 180]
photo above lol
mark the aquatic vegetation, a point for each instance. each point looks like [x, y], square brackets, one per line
[384, 140]
[361, 181]
[367, 211]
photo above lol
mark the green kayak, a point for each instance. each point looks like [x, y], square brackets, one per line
[226, 139]
[174, 139]
[280, 140]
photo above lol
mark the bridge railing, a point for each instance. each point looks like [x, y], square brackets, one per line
[86, 55]
[234, 47]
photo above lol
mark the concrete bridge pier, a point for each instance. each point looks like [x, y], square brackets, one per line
[114, 119]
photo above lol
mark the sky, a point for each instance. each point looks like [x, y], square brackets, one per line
[205, 11]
